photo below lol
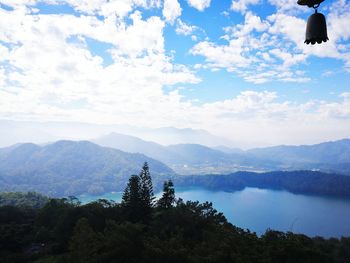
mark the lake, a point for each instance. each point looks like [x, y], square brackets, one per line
[259, 209]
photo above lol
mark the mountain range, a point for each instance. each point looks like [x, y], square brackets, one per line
[200, 159]
[75, 167]
[13, 132]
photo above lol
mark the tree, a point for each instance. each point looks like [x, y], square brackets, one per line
[85, 243]
[123, 242]
[131, 200]
[146, 191]
[138, 196]
[168, 198]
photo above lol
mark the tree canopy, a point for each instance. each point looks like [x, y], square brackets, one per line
[64, 230]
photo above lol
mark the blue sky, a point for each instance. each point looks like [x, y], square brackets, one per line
[237, 68]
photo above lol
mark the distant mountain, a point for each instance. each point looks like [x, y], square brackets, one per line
[187, 158]
[13, 132]
[226, 149]
[71, 168]
[328, 156]
[200, 159]
[197, 154]
[133, 144]
[171, 135]
[329, 152]
[172, 155]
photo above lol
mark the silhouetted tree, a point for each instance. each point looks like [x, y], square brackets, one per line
[168, 198]
[146, 190]
[131, 200]
[147, 195]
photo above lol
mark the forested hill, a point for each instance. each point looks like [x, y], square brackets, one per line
[139, 230]
[306, 182]
[71, 168]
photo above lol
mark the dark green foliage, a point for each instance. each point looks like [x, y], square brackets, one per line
[138, 196]
[84, 244]
[122, 242]
[168, 198]
[187, 232]
[147, 196]
[131, 201]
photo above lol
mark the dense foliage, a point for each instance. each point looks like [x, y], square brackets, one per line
[306, 182]
[172, 231]
[30, 199]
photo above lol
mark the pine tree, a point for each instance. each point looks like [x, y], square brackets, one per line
[168, 198]
[131, 200]
[147, 195]
[132, 194]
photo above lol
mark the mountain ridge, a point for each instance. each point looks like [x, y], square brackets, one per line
[196, 158]
[72, 167]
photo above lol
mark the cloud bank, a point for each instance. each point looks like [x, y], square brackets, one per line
[107, 62]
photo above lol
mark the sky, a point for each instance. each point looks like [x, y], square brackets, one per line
[236, 68]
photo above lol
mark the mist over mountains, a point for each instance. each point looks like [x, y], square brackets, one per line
[75, 167]
[13, 132]
[200, 159]
[104, 163]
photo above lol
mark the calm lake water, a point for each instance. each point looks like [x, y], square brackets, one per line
[259, 209]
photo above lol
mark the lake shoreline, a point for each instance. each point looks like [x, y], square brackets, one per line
[260, 209]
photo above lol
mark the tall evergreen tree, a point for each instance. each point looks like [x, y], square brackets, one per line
[168, 198]
[126, 195]
[147, 195]
[131, 199]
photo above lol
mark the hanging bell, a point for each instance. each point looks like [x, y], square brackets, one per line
[316, 29]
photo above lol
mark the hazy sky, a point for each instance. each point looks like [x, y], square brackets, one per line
[238, 69]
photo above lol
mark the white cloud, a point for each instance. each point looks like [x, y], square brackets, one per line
[171, 10]
[184, 29]
[54, 75]
[242, 5]
[49, 72]
[288, 58]
[105, 8]
[272, 49]
[288, 6]
[336, 109]
[248, 53]
[277, 121]
[199, 4]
